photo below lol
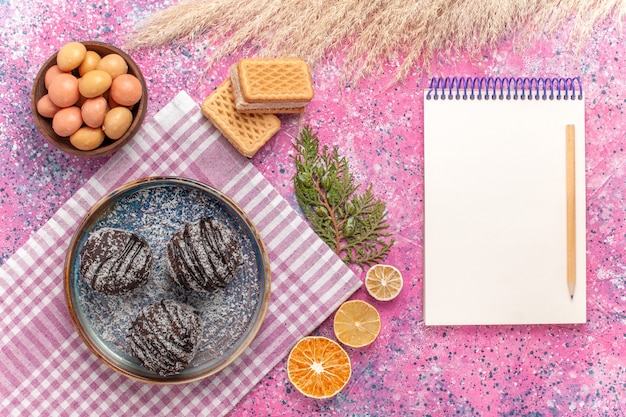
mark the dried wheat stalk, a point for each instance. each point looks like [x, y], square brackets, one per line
[369, 32]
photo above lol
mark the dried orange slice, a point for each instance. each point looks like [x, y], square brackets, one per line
[383, 282]
[318, 367]
[356, 323]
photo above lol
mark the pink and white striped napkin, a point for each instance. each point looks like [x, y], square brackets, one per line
[46, 367]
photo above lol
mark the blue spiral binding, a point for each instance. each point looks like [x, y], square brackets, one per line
[507, 88]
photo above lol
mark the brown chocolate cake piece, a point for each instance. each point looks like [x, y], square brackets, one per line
[205, 255]
[165, 336]
[115, 261]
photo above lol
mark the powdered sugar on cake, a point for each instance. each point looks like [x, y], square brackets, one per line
[204, 256]
[165, 336]
[115, 261]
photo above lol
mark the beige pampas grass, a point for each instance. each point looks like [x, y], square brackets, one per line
[369, 32]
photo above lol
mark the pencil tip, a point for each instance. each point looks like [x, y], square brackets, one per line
[572, 296]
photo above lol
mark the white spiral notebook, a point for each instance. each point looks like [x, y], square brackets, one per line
[504, 193]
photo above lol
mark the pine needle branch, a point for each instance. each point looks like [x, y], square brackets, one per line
[352, 224]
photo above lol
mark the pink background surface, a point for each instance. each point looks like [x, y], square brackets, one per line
[410, 369]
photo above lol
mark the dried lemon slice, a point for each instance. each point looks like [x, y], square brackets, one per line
[318, 367]
[356, 323]
[383, 282]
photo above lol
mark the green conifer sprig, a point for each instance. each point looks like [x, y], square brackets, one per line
[354, 225]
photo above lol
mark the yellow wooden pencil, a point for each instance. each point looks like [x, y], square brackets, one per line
[571, 208]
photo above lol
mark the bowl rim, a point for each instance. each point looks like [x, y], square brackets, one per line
[139, 109]
[91, 216]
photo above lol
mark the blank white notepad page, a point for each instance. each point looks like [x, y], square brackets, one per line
[495, 211]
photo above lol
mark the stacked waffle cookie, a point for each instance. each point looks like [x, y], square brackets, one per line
[244, 107]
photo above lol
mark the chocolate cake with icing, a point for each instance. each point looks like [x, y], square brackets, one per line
[115, 261]
[205, 255]
[165, 336]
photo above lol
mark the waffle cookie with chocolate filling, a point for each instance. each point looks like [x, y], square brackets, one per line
[271, 85]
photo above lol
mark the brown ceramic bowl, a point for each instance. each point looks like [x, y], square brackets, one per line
[108, 146]
[232, 315]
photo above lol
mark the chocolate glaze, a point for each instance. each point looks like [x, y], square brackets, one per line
[114, 261]
[204, 255]
[165, 336]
